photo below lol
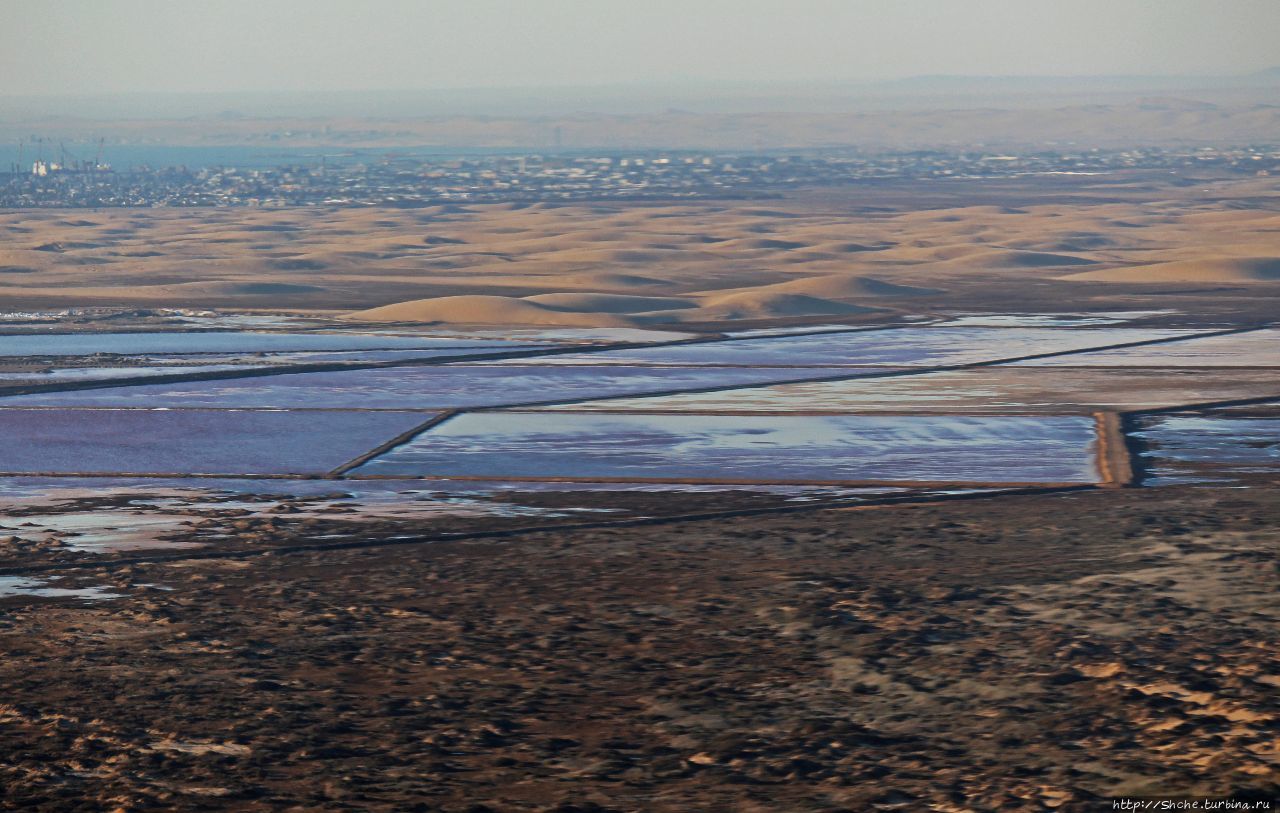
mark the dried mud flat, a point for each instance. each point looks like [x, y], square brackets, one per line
[1021, 652]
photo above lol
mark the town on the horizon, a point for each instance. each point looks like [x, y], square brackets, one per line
[407, 180]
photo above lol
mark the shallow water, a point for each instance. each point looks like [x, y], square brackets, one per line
[1259, 348]
[85, 344]
[47, 490]
[550, 334]
[1215, 447]
[103, 530]
[22, 586]
[244, 321]
[176, 514]
[163, 517]
[191, 441]
[913, 346]
[788, 331]
[1051, 319]
[767, 448]
[325, 357]
[1003, 389]
[200, 363]
[59, 374]
[438, 387]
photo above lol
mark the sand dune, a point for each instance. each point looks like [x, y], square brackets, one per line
[1002, 258]
[297, 264]
[1070, 243]
[618, 281]
[197, 293]
[244, 288]
[614, 256]
[772, 304]
[850, 248]
[608, 310]
[761, 244]
[485, 310]
[1236, 269]
[60, 247]
[833, 286]
[841, 287]
[809, 296]
[608, 303]
[577, 264]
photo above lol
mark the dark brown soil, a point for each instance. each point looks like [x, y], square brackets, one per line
[1027, 652]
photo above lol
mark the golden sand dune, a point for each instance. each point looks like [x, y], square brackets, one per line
[197, 294]
[766, 304]
[1234, 269]
[232, 288]
[27, 259]
[837, 286]
[616, 256]
[829, 286]
[845, 247]
[1001, 258]
[609, 303]
[1075, 243]
[608, 310]
[813, 254]
[760, 244]
[607, 281]
[485, 310]
[808, 296]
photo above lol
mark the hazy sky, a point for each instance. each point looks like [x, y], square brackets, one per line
[89, 46]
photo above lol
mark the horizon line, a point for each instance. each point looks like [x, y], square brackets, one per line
[665, 84]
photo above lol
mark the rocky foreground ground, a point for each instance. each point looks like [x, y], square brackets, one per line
[1030, 652]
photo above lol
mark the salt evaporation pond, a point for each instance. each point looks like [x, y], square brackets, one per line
[64, 374]
[928, 346]
[1051, 319]
[1258, 348]
[189, 364]
[766, 448]
[326, 357]
[50, 490]
[801, 330]
[439, 387]
[1199, 447]
[569, 335]
[87, 344]
[985, 390]
[144, 441]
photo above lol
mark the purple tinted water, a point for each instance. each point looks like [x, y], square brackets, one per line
[770, 448]
[191, 441]
[438, 387]
[86, 344]
[934, 346]
[1259, 348]
[1196, 447]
